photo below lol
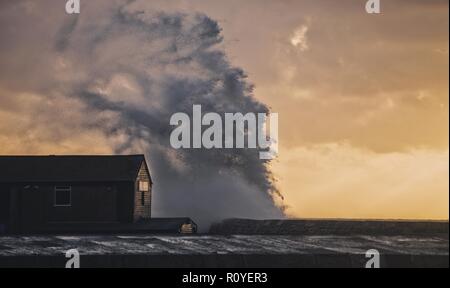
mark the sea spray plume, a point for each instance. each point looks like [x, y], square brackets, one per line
[140, 67]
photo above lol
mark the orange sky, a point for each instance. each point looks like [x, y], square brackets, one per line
[362, 102]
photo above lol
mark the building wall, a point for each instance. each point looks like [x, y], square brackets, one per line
[142, 211]
[90, 203]
[125, 201]
[31, 206]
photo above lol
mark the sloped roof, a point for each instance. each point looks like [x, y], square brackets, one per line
[74, 168]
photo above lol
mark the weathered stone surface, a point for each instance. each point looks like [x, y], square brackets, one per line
[329, 227]
[224, 251]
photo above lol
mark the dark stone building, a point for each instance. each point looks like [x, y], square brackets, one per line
[70, 193]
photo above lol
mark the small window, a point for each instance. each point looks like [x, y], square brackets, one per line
[63, 196]
[143, 186]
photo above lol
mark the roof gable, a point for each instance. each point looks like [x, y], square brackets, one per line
[74, 168]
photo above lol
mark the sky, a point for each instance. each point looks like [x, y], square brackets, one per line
[362, 98]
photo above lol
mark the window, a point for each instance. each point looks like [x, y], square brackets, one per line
[63, 196]
[142, 198]
[143, 186]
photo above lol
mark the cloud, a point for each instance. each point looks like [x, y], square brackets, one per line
[338, 89]
[32, 123]
[299, 39]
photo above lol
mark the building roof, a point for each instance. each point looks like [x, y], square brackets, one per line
[73, 168]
